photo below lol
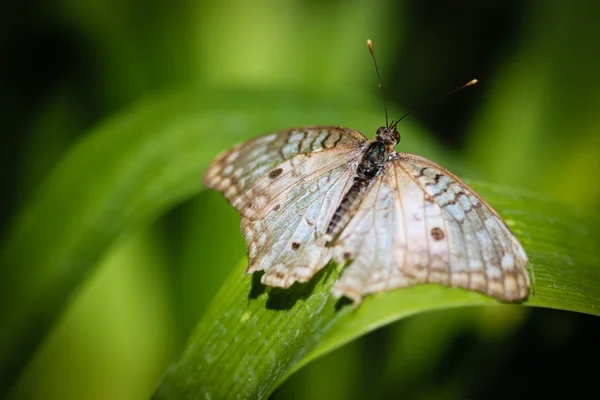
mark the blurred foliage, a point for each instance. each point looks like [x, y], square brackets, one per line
[73, 70]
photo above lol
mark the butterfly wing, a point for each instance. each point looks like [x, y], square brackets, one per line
[419, 223]
[286, 187]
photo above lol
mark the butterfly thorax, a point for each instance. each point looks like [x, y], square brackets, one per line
[376, 152]
[373, 158]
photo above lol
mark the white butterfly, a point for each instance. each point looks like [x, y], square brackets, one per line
[308, 195]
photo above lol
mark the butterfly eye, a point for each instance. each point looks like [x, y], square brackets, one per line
[380, 130]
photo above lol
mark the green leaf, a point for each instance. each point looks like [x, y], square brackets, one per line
[252, 337]
[121, 177]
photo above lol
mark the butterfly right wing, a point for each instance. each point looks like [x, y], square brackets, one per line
[419, 223]
[286, 187]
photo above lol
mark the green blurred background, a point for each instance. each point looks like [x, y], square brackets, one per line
[532, 123]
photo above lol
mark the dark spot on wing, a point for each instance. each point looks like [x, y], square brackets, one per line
[277, 207]
[275, 173]
[347, 256]
[437, 234]
[295, 246]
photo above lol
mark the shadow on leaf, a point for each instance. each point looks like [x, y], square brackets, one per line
[285, 299]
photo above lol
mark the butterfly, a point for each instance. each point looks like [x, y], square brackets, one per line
[308, 195]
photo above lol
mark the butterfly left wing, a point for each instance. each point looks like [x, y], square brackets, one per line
[419, 223]
[286, 187]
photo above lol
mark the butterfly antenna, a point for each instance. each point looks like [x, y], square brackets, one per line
[370, 44]
[466, 85]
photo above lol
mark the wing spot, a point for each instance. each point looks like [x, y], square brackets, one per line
[232, 156]
[259, 202]
[276, 208]
[275, 173]
[437, 234]
[225, 183]
[347, 256]
[238, 173]
[295, 246]
[228, 169]
[252, 250]
[230, 192]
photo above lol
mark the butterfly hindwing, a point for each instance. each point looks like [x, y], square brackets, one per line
[438, 231]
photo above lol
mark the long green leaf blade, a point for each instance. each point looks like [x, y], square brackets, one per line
[120, 178]
[253, 337]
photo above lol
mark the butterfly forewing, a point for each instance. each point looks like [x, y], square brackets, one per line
[438, 231]
[287, 186]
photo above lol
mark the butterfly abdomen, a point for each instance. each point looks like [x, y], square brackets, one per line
[371, 162]
[344, 212]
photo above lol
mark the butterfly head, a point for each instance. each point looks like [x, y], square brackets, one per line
[388, 135]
